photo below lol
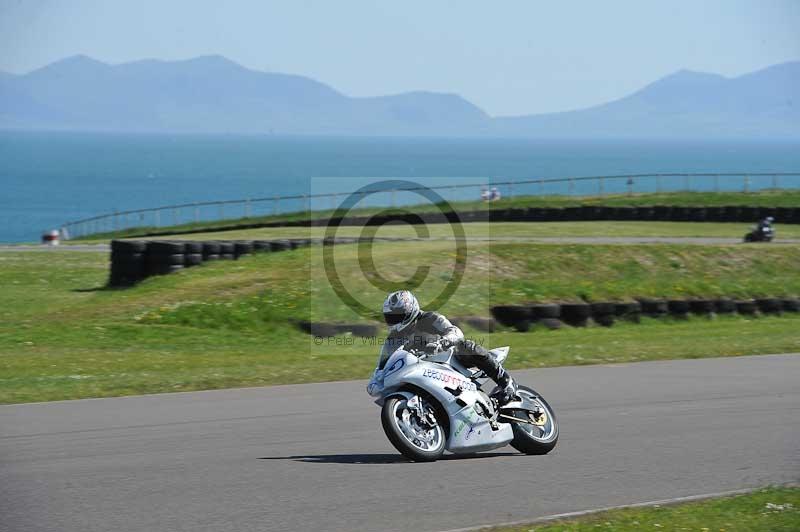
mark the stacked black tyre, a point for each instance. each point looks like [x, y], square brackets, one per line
[227, 250]
[284, 245]
[576, 314]
[628, 310]
[547, 315]
[517, 316]
[165, 257]
[603, 313]
[243, 247]
[211, 250]
[193, 254]
[127, 262]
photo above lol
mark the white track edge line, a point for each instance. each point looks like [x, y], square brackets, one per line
[581, 513]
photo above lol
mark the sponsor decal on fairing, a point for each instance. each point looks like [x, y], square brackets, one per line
[449, 378]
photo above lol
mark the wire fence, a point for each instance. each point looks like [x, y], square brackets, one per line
[211, 211]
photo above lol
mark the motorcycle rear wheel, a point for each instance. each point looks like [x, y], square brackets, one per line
[534, 439]
[415, 439]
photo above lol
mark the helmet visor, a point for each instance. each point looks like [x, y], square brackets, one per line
[393, 318]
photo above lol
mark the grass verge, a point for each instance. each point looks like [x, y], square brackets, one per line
[225, 324]
[767, 198]
[506, 230]
[766, 510]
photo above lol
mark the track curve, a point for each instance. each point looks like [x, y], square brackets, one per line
[313, 457]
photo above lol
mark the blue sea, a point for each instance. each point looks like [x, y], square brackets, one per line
[49, 178]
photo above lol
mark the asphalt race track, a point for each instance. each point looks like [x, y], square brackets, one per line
[314, 457]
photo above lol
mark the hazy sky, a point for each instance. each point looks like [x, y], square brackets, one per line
[508, 57]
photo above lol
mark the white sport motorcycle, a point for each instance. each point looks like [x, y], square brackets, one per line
[431, 403]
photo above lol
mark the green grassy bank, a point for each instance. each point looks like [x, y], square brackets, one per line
[767, 510]
[770, 198]
[227, 324]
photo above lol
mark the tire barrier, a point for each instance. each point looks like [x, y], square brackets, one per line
[746, 307]
[227, 250]
[542, 311]
[790, 304]
[769, 305]
[551, 323]
[481, 324]
[701, 307]
[655, 308]
[661, 213]
[244, 247]
[576, 314]
[127, 262]
[628, 311]
[678, 308]
[164, 257]
[724, 306]
[605, 313]
[517, 316]
[135, 260]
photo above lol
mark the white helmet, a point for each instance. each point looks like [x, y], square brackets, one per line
[400, 309]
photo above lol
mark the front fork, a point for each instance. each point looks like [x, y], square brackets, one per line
[424, 412]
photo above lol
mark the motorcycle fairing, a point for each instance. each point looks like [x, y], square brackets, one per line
[469, 432]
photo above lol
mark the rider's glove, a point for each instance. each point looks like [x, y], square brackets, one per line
[434, 347]
[445, 343]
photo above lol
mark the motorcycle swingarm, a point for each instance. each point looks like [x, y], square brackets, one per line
[516, 419]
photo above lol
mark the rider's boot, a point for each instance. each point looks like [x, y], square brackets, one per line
[508, 388]
[472, 354]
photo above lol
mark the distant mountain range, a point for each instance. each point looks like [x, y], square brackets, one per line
[212, 94]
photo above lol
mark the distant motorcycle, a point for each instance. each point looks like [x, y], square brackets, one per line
[760, 234]
[431, 403]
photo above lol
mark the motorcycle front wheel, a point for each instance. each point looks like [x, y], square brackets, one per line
[541, 434]
[420, 440]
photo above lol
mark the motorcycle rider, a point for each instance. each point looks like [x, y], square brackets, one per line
[762, 231]
[412, 327]
[766, 223]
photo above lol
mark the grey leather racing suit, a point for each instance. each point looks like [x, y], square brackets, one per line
[431, 327]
